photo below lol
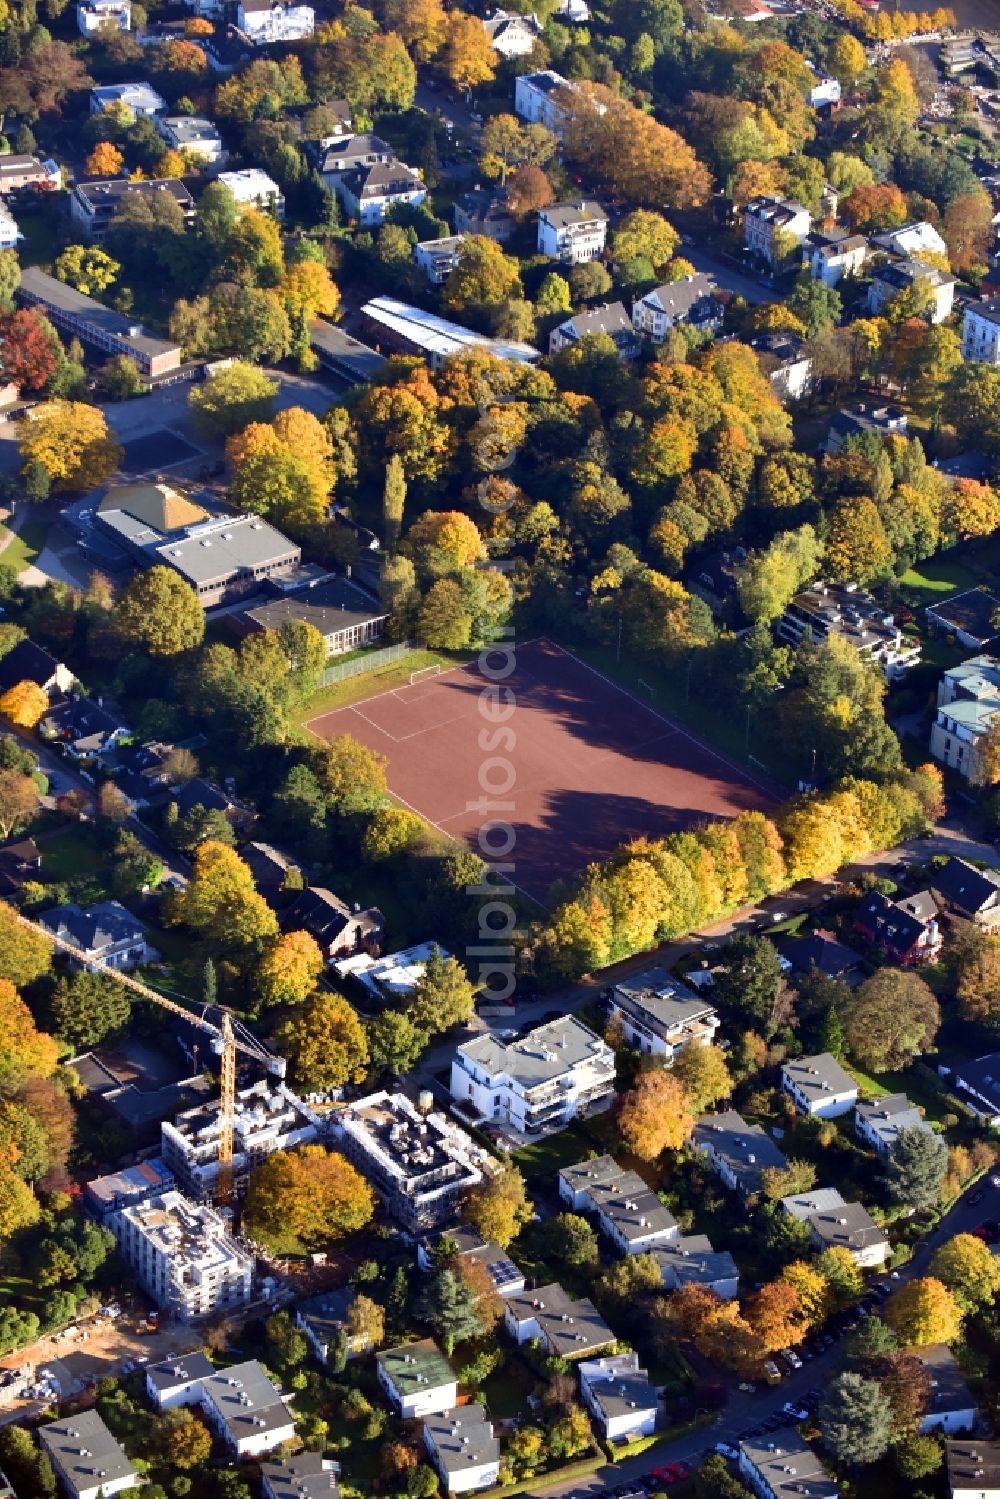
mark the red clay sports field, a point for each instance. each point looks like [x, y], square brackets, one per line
[593, 765]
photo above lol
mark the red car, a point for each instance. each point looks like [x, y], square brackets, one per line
[671, 1473]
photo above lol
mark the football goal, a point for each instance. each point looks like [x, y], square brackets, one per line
[424, 672]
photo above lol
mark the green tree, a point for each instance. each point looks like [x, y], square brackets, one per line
[87, 1007]
[444, 622]
[818, 306]
[570, 1238]
[855, 1419]
[917, 1456]
[767, 580]
[394, 1043]
[159, 611]
[499, 1206]
[393, 499]
[352, 776]
[231, 399]
[915, 1167]
[483, 277]
[444, 996]
[448, 1305]
[748, 977]
[894, 1017]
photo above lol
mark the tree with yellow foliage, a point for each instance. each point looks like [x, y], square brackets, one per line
[170, 164]
[301, 1199]
[309, 290]
[26, 1051]
[815, 1301]
[656, 1115]
[222, 899]
[467, 56]
[923, 1312]
[499, 1206]
[105, 160]
[287, 973]
[325, 1043]
[71, 442]
[24, 704]
[423, 25]
[443, 542]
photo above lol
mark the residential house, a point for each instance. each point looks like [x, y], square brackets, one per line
[178, 1381]
[628, 1211]
[785, 361]
[104, 933]
[92, 206]
[337, 928]
[618, 1393]
[540, 99]
[861, 419]
[437, 258]
[512, 35]
[907, 930]
[978, 1082]
[969, 892]
[834, 254]
[465, 1243]
[106, 1195]
[252, 187]
[572, 232]
[484, 211]
[87, 1460]
[368, 192]
[784, 1466]
[915, 239]
[693, 302]
[881, 1122]
[246, 1410]
[324, 1320]
[565, 1328]
[265, 21]
[540, 1081]
[981, 331]
[394, 977]
[829, 608]
[141, 98]
[660, 1015]
[19, 862]
[96, 16]
[183, 1255]
[199, 792]
[819, 1087]
[19, 172]
[194, 136]
[142, 771]
[85, 729]
[836, 1224]
[824, 96]
[612, 320]
[771, 225]
[336, 155]
[820, 950]
[270, 868]
[307, 1475]
[738, 1152]
[413, 330]
[973, 1467]
[344, 614]
[952, 1406]
[968, 704]
[462, 1449]
[690, 1260]
[577, 12]
[898, 276]
[417, 1378]
[968, 616]
[420, 1164]
[94, 324]
[10, 236]
[28, 662]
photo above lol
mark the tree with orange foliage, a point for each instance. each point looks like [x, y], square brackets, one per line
[198, 26]
[629, 152]
[24, 704]
[26, 1051]
[467, 56]
[423, 25]
[528, 190]
[105, 160]
[968, 231]
[775, 1317]
[170, 164]
[875, 207]
[656, 1115]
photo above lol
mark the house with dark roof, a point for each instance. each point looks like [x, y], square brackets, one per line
[832, 254]
[199, 792]
[627, 1210]
[787, 363]
[952, 1406]
[246, 1410]
[694, 300]
[818, 1086]
[483, 210]
[968, 616]
[738, 1152]
[105, 932]
[84, 729]
[819, 950]
[80, 316]
[907, 930]
[512, 35]
[93, 204]
[881, 1122]
[308, 1475]
[368, 191]
[661, 1015]
[178, 1381]
[140, 771]
[28, 662]
[611, 320]
[691, 1261]
[466, 1244]
[19, 863]
[978, 1082]
[565, 1327]
[906, 273]
[345, 616]
[336, 928]
[881, 420]
[572, 232]
[86, 1457]
[269, 866]
[973, 1468]
[324, 1320]
[969, 892]
[784, 1466]
[836, 1224]
[462, 1448]
[619, 1395]
[337, 155]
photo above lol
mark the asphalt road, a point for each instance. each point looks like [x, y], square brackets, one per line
[729, 277]
[745, 1410]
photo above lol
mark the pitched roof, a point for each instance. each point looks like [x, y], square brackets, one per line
[462, 1439]
[158, 505]
[680, 297]
[821, 951]
[27, 662]
[819, 1077]
[93, 927]
[582, 211]
[973, 1465]
[83, 1449]
[889, 923]
[965, 887]
[416, 1367]
[308, 1476]
[971, 612]
[174, 1373]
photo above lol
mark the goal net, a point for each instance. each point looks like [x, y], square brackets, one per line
[424, 672]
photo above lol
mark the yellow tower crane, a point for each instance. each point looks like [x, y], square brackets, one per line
[228, 1038]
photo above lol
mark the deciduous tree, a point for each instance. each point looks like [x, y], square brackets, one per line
[499, 1207]
[894, 1017]
[324, 1042]
[27, 1051]
[231, 399]
[24, 704]
[222, 901]
[970, 1270]
[183, 1441]
[308, 1196]
[444, 996]
[352, 776]
[706, 1079]
[656, 1115]
[87, 267]
[924, 1311]
[159, 611]
[30, 352]
[71, 443]
[288, 971]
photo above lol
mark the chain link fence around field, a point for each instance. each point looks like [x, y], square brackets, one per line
[370, 661]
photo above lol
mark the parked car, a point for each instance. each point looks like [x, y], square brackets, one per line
[724, 1450]
[798, 1411]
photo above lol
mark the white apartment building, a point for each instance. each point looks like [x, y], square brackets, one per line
[784, 1466]
[93, 16]
[246, 1410]
[836, 1224]
[764, 218]
[184, 1256]
[420, 1163]
[968, 703]
[192, 135]
[266, 21]
[916, 239]
[881, 1122]
[437, 258]
[268, 1117]
[619, 1396]
[833, 254]
[565, 1327]
[253, 188]
[87, 1459]
[512, 35]
[843, 609]
[981, 332]
[539, 1082]
[692, 300]
[178, 1381]
[572, 232]
[10, 234]
[660, 1015]
[897, 276]
[824, 93]
[628, 1212]
[819, 1087]
[461, 1446]
[141, 98]
[417, 1378]
[536, 99]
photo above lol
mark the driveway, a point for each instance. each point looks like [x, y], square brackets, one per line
[729, 277]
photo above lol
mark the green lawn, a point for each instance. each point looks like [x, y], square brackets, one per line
[369, 684]
[39, 245]
[934, 1107]
[71, 855]
[27, 542]
[936, 578]
[507, 1390]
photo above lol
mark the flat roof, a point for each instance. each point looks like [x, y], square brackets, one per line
[462, 1439]
[331, 605]
[83, 1450]
[223, 546]
[131, 1181]
[665, 999]
[544, 1053]
[37, 286]
[414, 1367]
[971, 611]
[350, 356]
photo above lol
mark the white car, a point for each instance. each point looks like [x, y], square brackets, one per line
[798, 1411]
